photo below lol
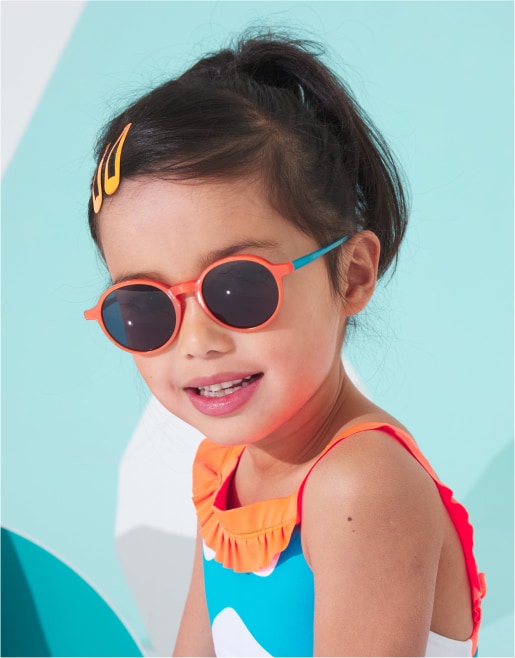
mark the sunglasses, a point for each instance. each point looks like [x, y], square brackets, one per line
[242, 292]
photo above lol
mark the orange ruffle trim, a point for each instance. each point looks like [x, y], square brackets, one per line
[244, 539]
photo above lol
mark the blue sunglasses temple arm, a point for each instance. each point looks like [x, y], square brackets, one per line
[309, 258]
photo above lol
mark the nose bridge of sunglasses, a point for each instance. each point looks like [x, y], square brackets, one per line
[186, 288]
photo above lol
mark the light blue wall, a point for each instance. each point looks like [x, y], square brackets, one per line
[435, 348]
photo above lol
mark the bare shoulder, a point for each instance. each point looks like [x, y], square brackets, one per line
[369, 473]
[369, 470]
[372, 528]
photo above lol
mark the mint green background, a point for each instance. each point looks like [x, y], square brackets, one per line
[435, 347]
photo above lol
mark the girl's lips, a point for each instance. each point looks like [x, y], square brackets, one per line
[223, 394]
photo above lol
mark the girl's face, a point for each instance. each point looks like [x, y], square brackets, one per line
[279, 380]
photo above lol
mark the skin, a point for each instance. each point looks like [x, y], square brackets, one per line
[393, 564]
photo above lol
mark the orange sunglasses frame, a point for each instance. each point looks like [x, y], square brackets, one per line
[178, 290]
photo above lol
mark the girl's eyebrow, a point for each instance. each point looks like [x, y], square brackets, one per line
[206, 260]
[154, 276]
[235, 248]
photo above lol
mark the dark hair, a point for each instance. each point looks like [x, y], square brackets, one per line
[270, 108]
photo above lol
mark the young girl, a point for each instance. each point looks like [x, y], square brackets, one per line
[245, 212]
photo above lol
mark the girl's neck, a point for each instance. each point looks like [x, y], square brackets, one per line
[276, 459]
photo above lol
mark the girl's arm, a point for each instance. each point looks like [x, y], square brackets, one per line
[194, 636]
[372, 532]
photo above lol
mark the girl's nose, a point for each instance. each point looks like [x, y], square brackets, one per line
[199, 336]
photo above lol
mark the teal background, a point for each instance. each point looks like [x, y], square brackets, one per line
[436, 345]
[50, 610]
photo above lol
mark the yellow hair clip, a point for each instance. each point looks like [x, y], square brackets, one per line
[111, 182]
[112, 171]
[96, 186]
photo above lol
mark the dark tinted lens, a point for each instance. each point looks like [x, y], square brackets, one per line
[139, 317]
[241, 293]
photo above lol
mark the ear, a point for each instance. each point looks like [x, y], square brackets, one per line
[359, 268]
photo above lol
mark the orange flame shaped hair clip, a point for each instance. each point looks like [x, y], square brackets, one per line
[107, 177]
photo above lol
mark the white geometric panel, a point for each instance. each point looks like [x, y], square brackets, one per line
[34, 35]
[154, 481]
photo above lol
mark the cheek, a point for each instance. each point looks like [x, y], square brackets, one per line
[151, 369]
[306, 341]
[312, 310]
[155, 371]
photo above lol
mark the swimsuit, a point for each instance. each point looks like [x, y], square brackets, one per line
[259, 587]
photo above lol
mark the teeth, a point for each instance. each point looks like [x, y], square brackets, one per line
[224, 388]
